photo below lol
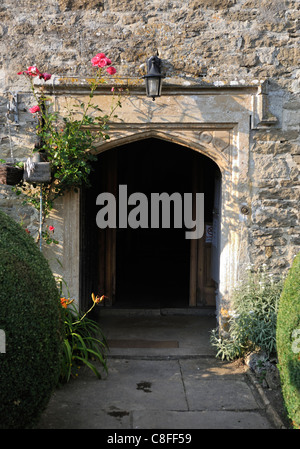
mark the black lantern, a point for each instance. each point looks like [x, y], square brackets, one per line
[153, 77]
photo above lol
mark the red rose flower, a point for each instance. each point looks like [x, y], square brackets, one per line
[34, 109]
[45, 76]
[33, 71]
[100, 60]
[111, 70]
[95, 59]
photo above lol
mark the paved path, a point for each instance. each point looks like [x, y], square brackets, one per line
[166, 377]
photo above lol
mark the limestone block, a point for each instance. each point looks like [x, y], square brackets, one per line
[75, 5]
[283, 193]
[267, 166]
[276, 135]
[274, 147]
[291, 118]
[275, 217]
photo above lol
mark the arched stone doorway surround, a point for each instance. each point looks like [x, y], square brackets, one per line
[214, 121]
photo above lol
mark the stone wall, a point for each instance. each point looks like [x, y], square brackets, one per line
[210, 39]
[201, 42]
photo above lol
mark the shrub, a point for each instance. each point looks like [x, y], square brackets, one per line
[252, 323]
[288, 342]
[30, 316]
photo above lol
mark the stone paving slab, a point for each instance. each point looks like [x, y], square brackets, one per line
[154, 394]
[158, 388]
[191, 332]
[200, 420]
[209, 387]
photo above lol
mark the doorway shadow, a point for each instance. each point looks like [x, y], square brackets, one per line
[152, 266]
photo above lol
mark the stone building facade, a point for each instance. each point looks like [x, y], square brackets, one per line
[230, 93]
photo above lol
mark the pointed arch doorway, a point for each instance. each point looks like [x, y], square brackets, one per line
[145, 267]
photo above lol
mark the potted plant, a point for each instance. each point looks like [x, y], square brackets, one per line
[11, 173]
[36, 170]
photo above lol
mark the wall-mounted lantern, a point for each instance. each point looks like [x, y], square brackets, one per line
[154, 77]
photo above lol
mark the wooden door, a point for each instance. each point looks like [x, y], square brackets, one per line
[107, 237]
[215, 244]
[202, 286]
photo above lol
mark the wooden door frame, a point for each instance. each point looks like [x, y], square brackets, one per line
[201, 284]
[107, 237]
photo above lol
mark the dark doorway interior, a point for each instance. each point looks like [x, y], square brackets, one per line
[152, 266]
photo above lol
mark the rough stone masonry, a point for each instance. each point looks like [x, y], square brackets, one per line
[202, 42]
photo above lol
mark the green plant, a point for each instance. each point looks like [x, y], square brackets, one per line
[252, 323]
[15, 164]
[30, 316]
[83, 341]
[68, 142]
[288, 342]
[227, 348]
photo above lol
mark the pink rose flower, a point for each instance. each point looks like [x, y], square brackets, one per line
[33, 71]
[34, 109]
[51, 228]
[100, 60]
[111, 70]
[45, 76]
[103, 62]
[95, 59]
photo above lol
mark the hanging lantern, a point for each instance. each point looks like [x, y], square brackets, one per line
[154, 77]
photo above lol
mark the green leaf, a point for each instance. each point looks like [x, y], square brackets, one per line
[90, 365]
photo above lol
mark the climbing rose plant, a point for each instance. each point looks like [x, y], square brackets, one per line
[68, 142]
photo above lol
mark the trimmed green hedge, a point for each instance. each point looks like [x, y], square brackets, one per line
[30, 316]
[288, 342]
